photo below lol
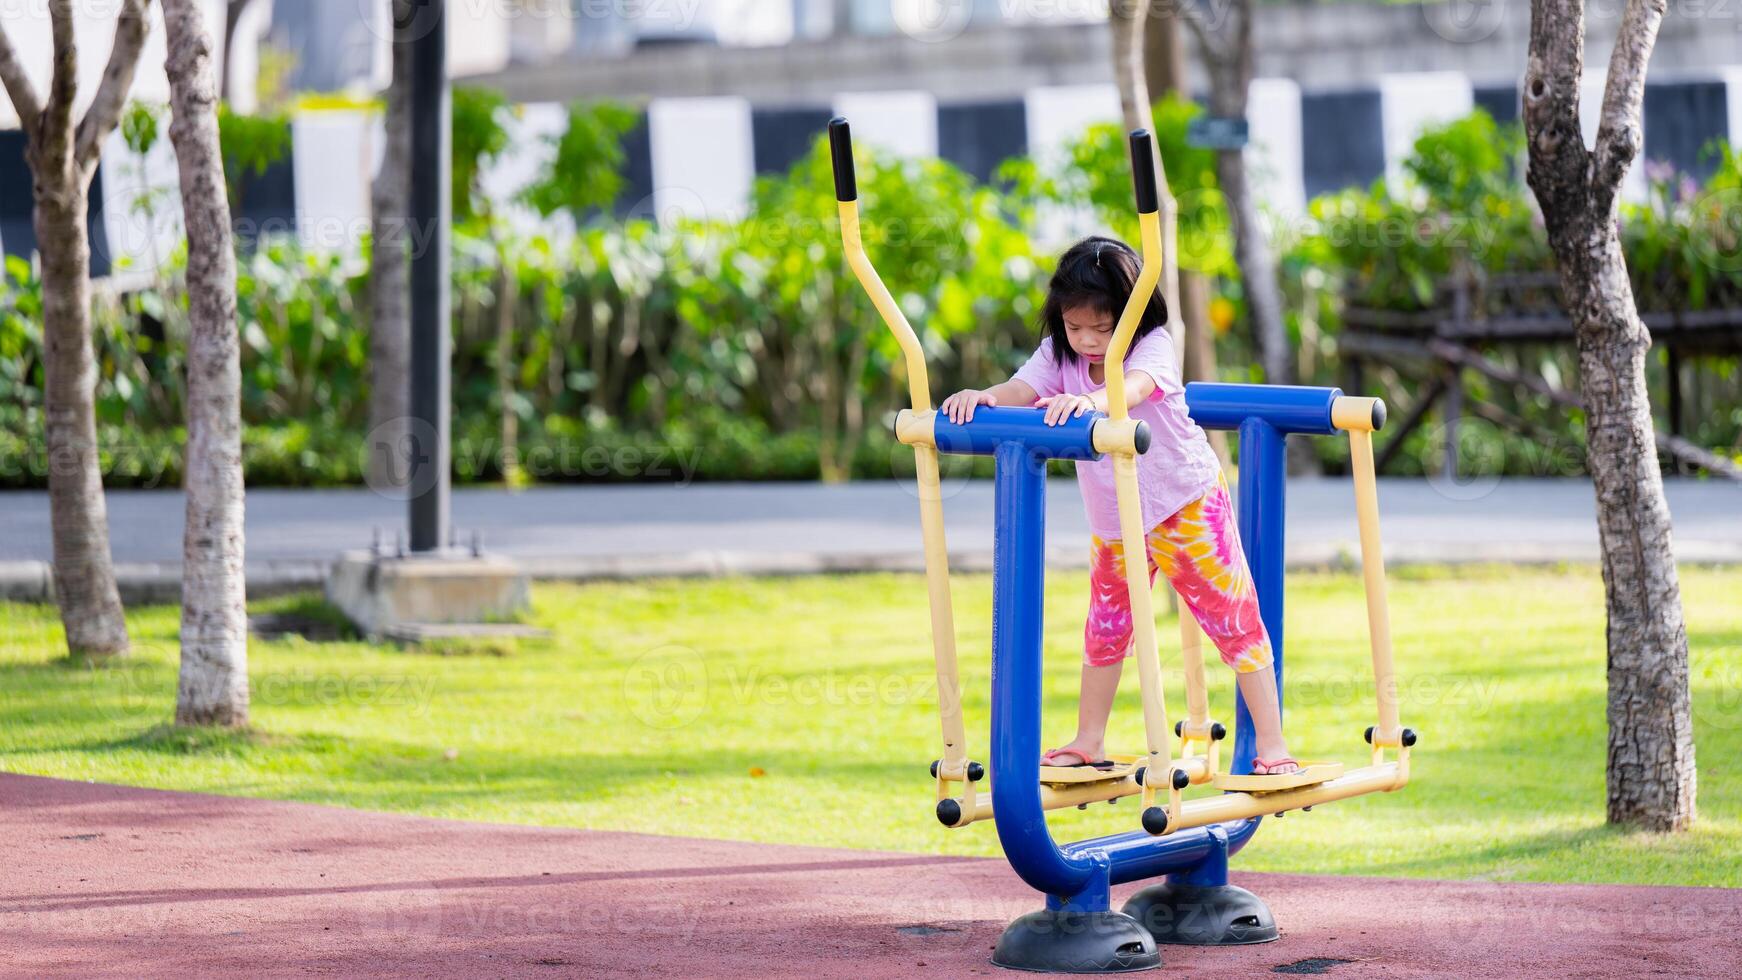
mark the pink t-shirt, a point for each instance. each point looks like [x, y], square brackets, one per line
[1179, 466]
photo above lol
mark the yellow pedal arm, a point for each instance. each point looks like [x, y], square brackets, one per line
[1057, 796]
[1360, 417]
[1197, 728]
[953, 766]
[1133, 535]
[1223, 807]
[1191, 649]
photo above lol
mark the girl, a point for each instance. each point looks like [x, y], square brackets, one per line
[1192, 538]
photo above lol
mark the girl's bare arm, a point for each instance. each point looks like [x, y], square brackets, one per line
[1138, 386]
[959, 407]
[1013, 393]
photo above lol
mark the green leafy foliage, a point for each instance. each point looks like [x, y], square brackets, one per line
[249, 144]
[585, 174]
[480, 132]
[744, 341]
[1463, 210]
[1097, 169]
[1684, 245]
[1391, 253]
[139, 126]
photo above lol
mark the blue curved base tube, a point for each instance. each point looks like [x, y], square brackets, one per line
[1078, 876]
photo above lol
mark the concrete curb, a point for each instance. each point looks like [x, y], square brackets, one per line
[26, 581]
[147, 583]
[160, 582]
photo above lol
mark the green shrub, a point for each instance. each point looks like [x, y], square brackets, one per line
[585, 173]
[480, 133]
[249, 144]
[746, 348]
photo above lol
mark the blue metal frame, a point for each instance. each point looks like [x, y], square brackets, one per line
[1079, 876]
[993, 427]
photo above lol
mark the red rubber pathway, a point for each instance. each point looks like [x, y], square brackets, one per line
[110, 881]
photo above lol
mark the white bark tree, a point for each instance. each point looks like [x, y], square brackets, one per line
[1651, 744]
[213, 689]
[63, 158]
[389, 273]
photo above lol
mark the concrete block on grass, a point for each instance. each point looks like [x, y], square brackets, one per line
[381, 592]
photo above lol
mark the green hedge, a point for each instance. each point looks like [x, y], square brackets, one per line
[747, 344]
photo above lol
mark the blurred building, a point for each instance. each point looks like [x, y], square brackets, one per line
[116, 227]
[729, 89]
[1342, 93]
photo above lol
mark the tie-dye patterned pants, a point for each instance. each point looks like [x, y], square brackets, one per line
[1198, 549]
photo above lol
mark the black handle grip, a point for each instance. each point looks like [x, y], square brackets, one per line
[841, 150]
[1143, 171]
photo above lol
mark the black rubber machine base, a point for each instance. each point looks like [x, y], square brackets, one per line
[1202, 915]
[1076, 942]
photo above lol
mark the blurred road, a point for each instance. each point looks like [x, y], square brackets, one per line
[593, 531]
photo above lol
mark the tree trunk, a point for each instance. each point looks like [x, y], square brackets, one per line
[1651, 741]
[1127, 23]
[841, 19]
[63, 158]
[233, 11]
[1230, 70]
[1257, 270]
[1227, 50]
[507, 299]
[389, 272]
[84, 571]
[1226, 47]
[1651, 774]
[1164, 53]
[1164, 69]
[214, 621]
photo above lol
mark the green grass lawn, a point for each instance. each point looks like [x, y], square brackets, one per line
[802, 710]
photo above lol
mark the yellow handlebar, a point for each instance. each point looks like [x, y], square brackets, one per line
[918, 384]
[1149, 226]
[1133, 535]
[953, 767]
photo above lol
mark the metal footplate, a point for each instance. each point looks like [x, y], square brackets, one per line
[1309, 774]
[1123, 767]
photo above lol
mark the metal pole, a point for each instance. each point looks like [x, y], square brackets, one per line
[1261, 510]
[1018, 581]
[430, 219]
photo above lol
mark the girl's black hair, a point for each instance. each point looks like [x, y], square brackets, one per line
[1098, 273]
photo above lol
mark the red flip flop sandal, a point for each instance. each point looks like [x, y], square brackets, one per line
[1269, 765]
[1048, 757]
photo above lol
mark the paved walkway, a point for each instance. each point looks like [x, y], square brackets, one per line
[604, 531]
[112, 881]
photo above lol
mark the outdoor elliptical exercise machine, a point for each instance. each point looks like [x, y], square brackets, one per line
[1189, 841]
